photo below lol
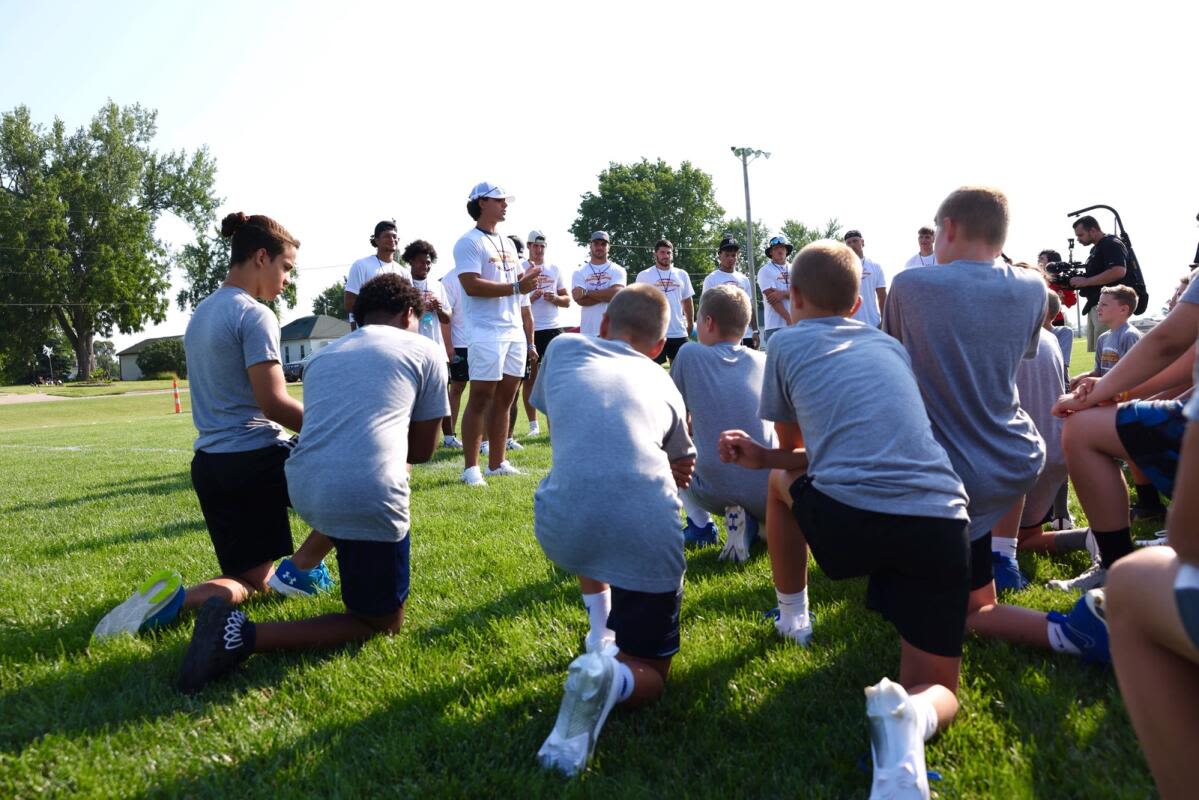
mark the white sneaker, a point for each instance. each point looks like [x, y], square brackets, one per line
[602, 642]
[1159, 538]
[592, 687]
[534, 428]
[504, 468]
[736, 536]
[515, 445]
[896, 744]
[1093, 578]
[485, 447]
[451, 443]
[799, 630]
[473, 476]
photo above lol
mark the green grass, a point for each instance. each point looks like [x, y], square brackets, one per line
[93, 389]
[96, 495]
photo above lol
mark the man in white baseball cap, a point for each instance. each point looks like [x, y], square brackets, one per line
[488, 266]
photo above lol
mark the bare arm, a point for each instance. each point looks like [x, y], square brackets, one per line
[270, 393]
[422, 439]
[446, 339]
[738, 447]
[590, 298]
[348, 300]
[477, 286]
[689, 313]
[1102, 279]
[882, 298]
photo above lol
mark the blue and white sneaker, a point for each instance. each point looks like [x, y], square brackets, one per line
[741, 531]
[1086, 627]
[695, 536]
[800, 631]
[295, 582]
[1008, 577]
[155, 604]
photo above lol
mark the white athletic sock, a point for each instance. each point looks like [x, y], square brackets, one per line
[926, 715]
[793, 608]
[1004, 546]
[625, 676]
[1058, 640]
[694, 512]
[599, 606]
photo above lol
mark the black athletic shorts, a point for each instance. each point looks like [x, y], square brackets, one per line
[244, 500]
[646, 623]
[918, 567]
[374, 575]
[460, 370]
[673, 344]
[981, 572]
[542, 339]
[749, 343]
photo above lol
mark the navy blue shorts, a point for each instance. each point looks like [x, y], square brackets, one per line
[646, 623]
[244, 500]
[374, 575]
[1151, 432]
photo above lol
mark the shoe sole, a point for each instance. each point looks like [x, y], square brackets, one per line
[207, 631]
[286, 589]
[551, 756]
[884, 703]
[153, 595]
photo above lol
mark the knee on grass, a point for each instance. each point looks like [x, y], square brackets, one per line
[386, 624]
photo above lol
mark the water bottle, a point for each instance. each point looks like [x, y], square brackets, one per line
[428, 324]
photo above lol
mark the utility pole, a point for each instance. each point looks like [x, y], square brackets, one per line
[748, 154]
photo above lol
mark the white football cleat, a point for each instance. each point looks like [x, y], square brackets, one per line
[896, 744]
[592, 686]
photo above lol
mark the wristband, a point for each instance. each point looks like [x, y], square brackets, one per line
[516, 289]
[533, 347]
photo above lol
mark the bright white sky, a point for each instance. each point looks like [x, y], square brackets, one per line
[332, 116]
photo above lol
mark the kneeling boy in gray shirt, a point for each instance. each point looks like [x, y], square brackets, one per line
[721, 383]
[877, 499]
[609, 511]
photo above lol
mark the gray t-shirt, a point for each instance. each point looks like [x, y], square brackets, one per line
[850, 388]
[1039, 383]
[722, 386]
[609, 508]
[230, 332]
[1191, 295]
[348, 477]
[966, 325]
[1112, 345]
[1065, 340]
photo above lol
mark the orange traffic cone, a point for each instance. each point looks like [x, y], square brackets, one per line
[175, 391]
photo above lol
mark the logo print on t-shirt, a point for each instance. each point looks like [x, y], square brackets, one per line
[545, 282]
[665, 284]
[783, 277]
[597, 280]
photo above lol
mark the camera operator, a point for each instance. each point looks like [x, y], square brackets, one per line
[1106, 266]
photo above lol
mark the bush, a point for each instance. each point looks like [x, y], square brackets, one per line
[165, 355]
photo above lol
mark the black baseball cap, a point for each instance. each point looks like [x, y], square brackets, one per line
[385, 225]
[729, 243]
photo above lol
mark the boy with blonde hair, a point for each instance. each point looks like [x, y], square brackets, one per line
[608, 511]
[721, 382]
[889, 507]
[966, 367]
[1115, 306]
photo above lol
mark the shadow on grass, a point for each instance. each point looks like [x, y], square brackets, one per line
[170, 530]
[166, 484]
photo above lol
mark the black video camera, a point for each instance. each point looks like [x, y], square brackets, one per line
[1060, 273]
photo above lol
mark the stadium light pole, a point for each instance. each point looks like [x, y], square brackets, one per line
[748, 154]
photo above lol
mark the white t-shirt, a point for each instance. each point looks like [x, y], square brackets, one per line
[364, 269]
[594, 277]
[872, 280]
[738, 279]
[437, 291]
[494, 258]
[921, 261]
[676, 285]
[546, 315]
[454, 294]
[775, 276]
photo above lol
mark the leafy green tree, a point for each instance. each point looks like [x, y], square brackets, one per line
[205, 263]
[640, 203]
[800, 234]
[736, 226]
[165, 355]
[332, 301]
[78, 213]
[106, 357]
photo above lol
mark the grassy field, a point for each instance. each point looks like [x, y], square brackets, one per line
[96, 495]
[93, 389]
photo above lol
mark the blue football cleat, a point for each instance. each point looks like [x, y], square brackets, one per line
[1008, 577]
[1086, 627]
[695, 536]
[294, 582]
[155, 604]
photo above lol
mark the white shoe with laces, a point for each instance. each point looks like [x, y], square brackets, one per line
[504, 468]
[592, 686]
[896, 744]
[1092, 578]
[451, 442]
[534, 428]
[514, 445]
[473, 476]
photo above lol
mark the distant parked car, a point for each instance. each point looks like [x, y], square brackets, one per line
[295, 370]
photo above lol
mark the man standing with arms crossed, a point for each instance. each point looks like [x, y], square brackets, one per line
[596, 283]
[545, 303]
[676, 285]
[386, 242]
[487, 265]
